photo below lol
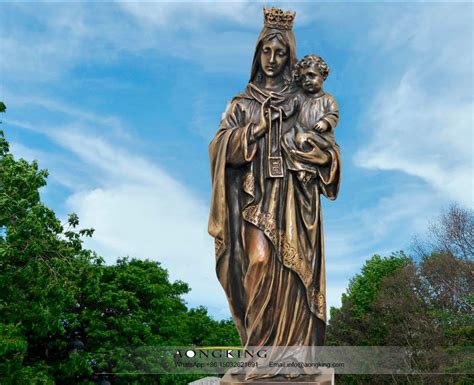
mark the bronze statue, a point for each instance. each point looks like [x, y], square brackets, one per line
[271, 158]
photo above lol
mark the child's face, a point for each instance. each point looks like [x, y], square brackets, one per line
[311, 79]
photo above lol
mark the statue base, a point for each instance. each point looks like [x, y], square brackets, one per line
[206, 381]
[326, 378]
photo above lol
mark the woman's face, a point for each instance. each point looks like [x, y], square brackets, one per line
[273, 57]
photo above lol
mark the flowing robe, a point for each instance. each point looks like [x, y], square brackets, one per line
[283, 303]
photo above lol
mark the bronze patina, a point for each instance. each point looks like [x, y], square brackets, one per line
[272, 157]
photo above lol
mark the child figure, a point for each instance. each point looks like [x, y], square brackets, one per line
[317, 118]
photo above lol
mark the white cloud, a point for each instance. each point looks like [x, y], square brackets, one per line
[44, 42]
[421, 121]
[187, 15]
[49, 160]
[55, 106]
[139, 210]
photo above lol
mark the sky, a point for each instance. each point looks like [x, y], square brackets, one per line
[119, 101]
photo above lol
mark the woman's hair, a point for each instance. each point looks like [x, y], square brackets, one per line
[308, 61]
[287, 71]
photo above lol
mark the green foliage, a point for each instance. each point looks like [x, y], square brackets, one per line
[345, 327]
[427, 306]
[207, 332]
[3, 142]
[364, 287]
[66, 316]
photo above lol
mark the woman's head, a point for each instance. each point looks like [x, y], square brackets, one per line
[275, 55]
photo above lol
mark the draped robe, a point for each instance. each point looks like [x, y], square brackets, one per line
[281, 302]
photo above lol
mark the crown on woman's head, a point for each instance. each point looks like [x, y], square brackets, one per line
[277, 18]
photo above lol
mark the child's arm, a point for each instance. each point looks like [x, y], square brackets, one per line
[330, 118]
[332, 114]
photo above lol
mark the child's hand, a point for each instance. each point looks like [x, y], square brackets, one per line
[321, 126]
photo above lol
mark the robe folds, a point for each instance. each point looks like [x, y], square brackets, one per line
[285, 305]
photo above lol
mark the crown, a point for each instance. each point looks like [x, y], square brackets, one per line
[277, 18]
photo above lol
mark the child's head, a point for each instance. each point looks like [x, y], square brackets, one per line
[310, 72]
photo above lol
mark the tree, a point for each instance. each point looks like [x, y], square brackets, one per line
[451, 233]
[36, 284]
[65, 316]
[425, 306]
[348, 324]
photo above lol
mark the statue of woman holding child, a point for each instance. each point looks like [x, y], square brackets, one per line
[272, 157]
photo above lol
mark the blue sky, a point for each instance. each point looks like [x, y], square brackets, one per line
[120, 100]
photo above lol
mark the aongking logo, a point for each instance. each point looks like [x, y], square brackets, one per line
[221, 353]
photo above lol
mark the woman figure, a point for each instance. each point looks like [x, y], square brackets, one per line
[267, 223]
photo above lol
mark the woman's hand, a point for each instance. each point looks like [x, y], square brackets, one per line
[262, 127]
[315, 155]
